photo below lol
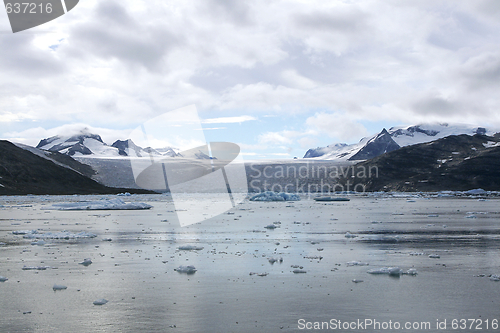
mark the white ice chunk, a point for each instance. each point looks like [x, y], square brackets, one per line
[86, 262]
[190, 248]
[274, 196]
[186, 269]
[107, 204]
[101, 301]
[395, 271]
[356, 263]
[299, 271]
[39, 243]
[349, 235]
[411, 271]
[3, 278]
[24, 232]
[434, 256]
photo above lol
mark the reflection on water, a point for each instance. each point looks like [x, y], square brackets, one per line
[135, 253]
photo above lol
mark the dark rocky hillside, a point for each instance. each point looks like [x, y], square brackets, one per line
[22, 172]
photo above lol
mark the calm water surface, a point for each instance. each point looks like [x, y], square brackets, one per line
[134, 270]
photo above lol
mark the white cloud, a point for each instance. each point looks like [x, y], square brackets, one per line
[119, 63]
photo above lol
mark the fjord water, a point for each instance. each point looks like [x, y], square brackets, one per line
[134, 255]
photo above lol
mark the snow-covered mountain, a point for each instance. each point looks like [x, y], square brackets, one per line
[88, 144]
[392, 139]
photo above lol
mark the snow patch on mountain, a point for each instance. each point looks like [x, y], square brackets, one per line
[86, 144]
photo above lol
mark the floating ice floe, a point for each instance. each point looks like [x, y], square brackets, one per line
[39, 243]
[386, 270]
[33, 234]
[296, 266]
[356, 263]
[434, 256]
[107, 204]
[59, 287]
[299, 271]
[24, 232]
[349, 235]
[275, 196]
[495, 278]
[357, 281]
[86, 262]
[393, 271]
[3, 279]
[190, 248]
[101, 301]
[38, 268]
[259, 274]
[271, 226]
[186, 269]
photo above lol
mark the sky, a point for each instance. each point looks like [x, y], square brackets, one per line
[275, 77]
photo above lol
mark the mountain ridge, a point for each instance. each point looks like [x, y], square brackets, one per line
[401, 136]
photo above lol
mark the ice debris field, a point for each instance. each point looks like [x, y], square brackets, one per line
[138, 270]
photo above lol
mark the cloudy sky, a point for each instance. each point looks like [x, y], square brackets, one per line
[276, 77]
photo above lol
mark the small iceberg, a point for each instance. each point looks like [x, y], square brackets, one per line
[86, 262]
[357, 281]
[39, 243]
[3, 278]
[411, 271]
[275, 196]
[495, 278]
[186, 269]
[107, 204]
[271, 226]
[190, 248]
[59, 287]
[477, 191]
[299, 271]
[349, 235]
[101, 301]
[259, 274]
[434, 256]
